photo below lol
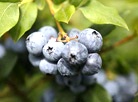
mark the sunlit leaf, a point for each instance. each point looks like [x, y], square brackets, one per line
[28, 14]
[9, 15]
[9, 0]
[65, 13]
[100, 14]
[40, 4]
[58, 1]
[75, 2]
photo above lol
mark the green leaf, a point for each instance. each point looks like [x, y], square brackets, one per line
[104, 29]
[28, 14]
[75, 2]
[6, 64]
[58, 1]
[100, 14]
[9, 15]
[9, 0]
[97, 94]
[65, 13]
[40, 4]
[63, 95]
[75, 21]
[10, 98]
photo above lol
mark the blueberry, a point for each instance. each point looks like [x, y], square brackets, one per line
[75, 53]
[77, 89]
[93, 64]
[59, 79]
[100, 77]
[65, 69]
[47, 67]
[48, 31]
[34, 60]
[73, 33]
[112, 87]
[123, 98]
[92, 39]
[18, 46]
[72, 80]
[48, 95]
[35, 42]
[2, 51]
[127, 82]
[52, 50]
[88, 79]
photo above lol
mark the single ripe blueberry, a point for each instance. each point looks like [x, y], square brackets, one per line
[73, 33]
[88, 80]
[92, 39]
[75, 53]
[52, 50]
[34, 60]
[77, 89]
[47, 67]
[48, 32]
[101, 77]
[112, 87]
[35, 43]
[48, 95]
[59, 79]
[72, 80]
[64, 68]
[93, 64]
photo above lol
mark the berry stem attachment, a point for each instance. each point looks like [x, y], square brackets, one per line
[62, 33]
[62, 36]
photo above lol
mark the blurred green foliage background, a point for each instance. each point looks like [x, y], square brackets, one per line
[21, 82]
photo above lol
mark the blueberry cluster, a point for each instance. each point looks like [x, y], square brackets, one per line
[10, 45]
[74, 61]
[122, 88]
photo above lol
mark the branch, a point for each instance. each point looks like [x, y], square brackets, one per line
[121, 42]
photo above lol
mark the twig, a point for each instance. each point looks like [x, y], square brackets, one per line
[121, 42]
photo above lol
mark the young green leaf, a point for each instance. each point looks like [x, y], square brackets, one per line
[100, 14]
[10, 1]
[75, 2]
[40, 4]
[97, 94]
[28, 14]
[58, 1]
[65, 13]
[104, 29]
[9, 15]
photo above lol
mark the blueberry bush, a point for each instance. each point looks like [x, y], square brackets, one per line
[68, 51]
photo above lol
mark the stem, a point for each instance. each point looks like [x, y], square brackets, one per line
[50, 4]
[62, 34]
[121, 42]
